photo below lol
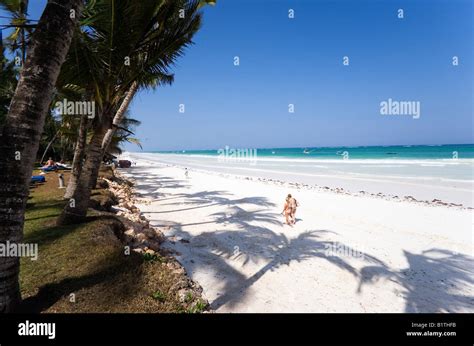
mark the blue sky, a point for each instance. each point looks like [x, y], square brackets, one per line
[299, 61]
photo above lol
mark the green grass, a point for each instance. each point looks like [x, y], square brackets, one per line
[189, 297]
[89, 261]
[198, 307]
[158, 295]
[148, 257]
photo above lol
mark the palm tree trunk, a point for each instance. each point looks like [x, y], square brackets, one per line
[79, 152]
[23, 13]
[23, 46]
[75, 210]
[118, 118]
[49, 144]
[19, 137]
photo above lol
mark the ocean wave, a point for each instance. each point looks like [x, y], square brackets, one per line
[413, 174]
[369, 161]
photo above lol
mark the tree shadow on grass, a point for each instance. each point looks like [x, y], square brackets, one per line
[48, 235]
[110, 274]
[44, 204]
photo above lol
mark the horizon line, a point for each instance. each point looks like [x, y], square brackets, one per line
[306, 147]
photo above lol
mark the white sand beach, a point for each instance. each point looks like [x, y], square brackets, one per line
[346, 253]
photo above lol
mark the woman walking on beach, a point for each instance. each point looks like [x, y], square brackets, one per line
[289, 210]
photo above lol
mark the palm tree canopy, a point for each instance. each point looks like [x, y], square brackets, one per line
[123, 41]
[124, 134]
[19, 22]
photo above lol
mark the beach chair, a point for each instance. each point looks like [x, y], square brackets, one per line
[38, 179]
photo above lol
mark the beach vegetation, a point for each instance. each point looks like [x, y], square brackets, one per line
[22, 128]
[100, 52]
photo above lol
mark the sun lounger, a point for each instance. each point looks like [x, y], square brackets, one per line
[124, 164]
[38, 179]
[49, 169]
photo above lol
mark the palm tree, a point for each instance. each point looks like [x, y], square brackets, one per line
[129, 96]
[119, 116]
[59, 136]
[19, 136]
[122, 134]
[19, 23]
[51, 131]
[74, 127]
[150, 36]
[8, 80]
[79, 153]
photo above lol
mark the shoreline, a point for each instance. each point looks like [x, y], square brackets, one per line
[338, 189]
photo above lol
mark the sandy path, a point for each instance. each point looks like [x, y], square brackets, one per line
[345, 254]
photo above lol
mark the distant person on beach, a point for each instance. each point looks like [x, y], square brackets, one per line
[186, 173]
[50, 162]
[49, 165]
[62, 165]
[289, 210]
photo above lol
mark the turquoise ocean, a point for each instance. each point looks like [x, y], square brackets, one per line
[425, 162]
[415, 152]
[426, 172]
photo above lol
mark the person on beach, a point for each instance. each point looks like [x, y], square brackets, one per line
[293, 203]
[289, 210]
[186, 173]
[50, 162]
[50, 165]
